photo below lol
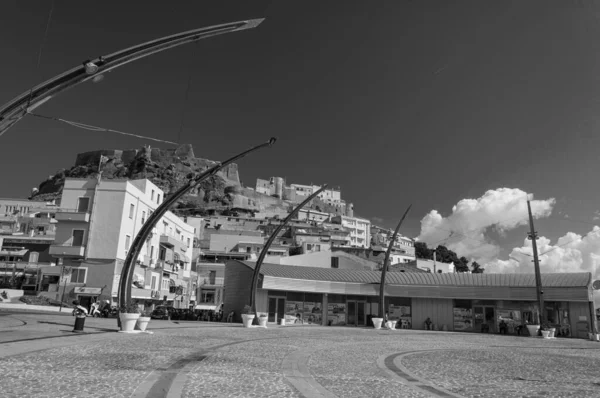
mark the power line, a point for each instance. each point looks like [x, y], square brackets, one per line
[39, 60]
[98, 129]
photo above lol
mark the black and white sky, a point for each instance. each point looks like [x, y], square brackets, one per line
[459, 108]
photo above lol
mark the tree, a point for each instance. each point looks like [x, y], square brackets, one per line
[462, 265]
[476, 268]
[422, 251]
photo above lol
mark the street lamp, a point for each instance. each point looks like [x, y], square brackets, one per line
[385, 265]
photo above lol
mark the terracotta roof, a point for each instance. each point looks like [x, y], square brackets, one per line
[579, 279]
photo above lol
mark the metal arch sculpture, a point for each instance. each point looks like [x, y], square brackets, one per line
[133, 253]
[385, 266]
[263, 253]
[13, 111]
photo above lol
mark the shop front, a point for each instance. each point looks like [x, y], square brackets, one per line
[476, 303]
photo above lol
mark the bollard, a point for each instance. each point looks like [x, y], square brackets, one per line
[282, 322]
[79, 322]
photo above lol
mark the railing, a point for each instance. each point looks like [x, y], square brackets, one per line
[212, 281]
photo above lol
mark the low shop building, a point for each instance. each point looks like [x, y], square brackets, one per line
[452, 301]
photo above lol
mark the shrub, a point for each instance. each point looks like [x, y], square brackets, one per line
[35, 300]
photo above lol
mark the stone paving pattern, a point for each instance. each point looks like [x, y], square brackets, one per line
[225, 360]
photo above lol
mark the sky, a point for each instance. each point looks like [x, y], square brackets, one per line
[458, 108]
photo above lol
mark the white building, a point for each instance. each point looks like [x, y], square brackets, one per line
[360, 230]
[97, 224]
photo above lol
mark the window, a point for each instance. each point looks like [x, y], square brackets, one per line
[83, 204]
[77, 237]
[151, 252]
[152, 195]
[188, 242]
[158, 198]
[153, 285]
[78, 275]
[162, 253]
[127, 243]
[143, 216]
[131, 210]
[335, 262]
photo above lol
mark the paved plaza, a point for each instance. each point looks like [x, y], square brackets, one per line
[41, 357]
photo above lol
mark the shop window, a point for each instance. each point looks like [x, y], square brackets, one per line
[78, 275]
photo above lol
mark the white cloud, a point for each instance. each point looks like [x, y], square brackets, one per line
[596, 215]
[502, 209]
[571, 253]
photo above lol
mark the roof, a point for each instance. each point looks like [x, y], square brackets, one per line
[579, 279]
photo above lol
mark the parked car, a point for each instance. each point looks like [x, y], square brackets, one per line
[161, 312]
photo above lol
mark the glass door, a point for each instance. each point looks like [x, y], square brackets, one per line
[276, 310]
[357, 313]
[484, 320]
[351, 308]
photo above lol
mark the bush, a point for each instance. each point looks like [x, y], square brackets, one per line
[35, 300]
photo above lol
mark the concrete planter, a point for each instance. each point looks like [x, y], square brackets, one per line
[247, 320]
[262, 321]
[552, 333]
[142, 323]
[533, 330]
[128, 321]
[377, 322]
[393, 324]
[546, 334]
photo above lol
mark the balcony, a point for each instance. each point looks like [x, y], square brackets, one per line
[72, 216]
[168, 240]
[217, 281]
[67, 250]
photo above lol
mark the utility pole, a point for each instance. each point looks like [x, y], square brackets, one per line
[532, 235]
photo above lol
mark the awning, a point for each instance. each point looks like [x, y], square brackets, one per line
[14, 253]
[205, 307]
[183, 258]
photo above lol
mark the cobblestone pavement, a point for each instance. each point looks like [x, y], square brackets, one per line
[194, 359]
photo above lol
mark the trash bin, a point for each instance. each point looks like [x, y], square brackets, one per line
[79, 322]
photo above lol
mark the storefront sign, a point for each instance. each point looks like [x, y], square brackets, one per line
[88, 290]
[463, 319]
[313, 313]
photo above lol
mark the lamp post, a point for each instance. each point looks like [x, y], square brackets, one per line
[532, 235]
[385, 266]
[265, 249]
[16, 109]
[146, 229]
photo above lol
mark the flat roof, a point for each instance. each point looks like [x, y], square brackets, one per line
[572, 279]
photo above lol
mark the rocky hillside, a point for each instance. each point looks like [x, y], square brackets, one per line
[168, 169]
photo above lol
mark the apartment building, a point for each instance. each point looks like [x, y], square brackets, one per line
[360, 229]
[97, 224]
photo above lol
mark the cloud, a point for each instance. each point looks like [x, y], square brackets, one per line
[570, 253]
[463, 231]
[596, 215]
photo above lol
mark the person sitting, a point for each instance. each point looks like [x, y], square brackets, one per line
[428, 324]
[230, 317]
[503, 327]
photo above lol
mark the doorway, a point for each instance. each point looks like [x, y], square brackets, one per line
[85, 301]
[276, 309]
[356, 313]
[484, 320]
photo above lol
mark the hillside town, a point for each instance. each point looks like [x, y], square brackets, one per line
[73, 246]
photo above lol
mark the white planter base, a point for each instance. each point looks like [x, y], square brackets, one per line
[533, 330]
[128, 321]
[247, 320]
[142, 323]
[377, 322]
[262, 321]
